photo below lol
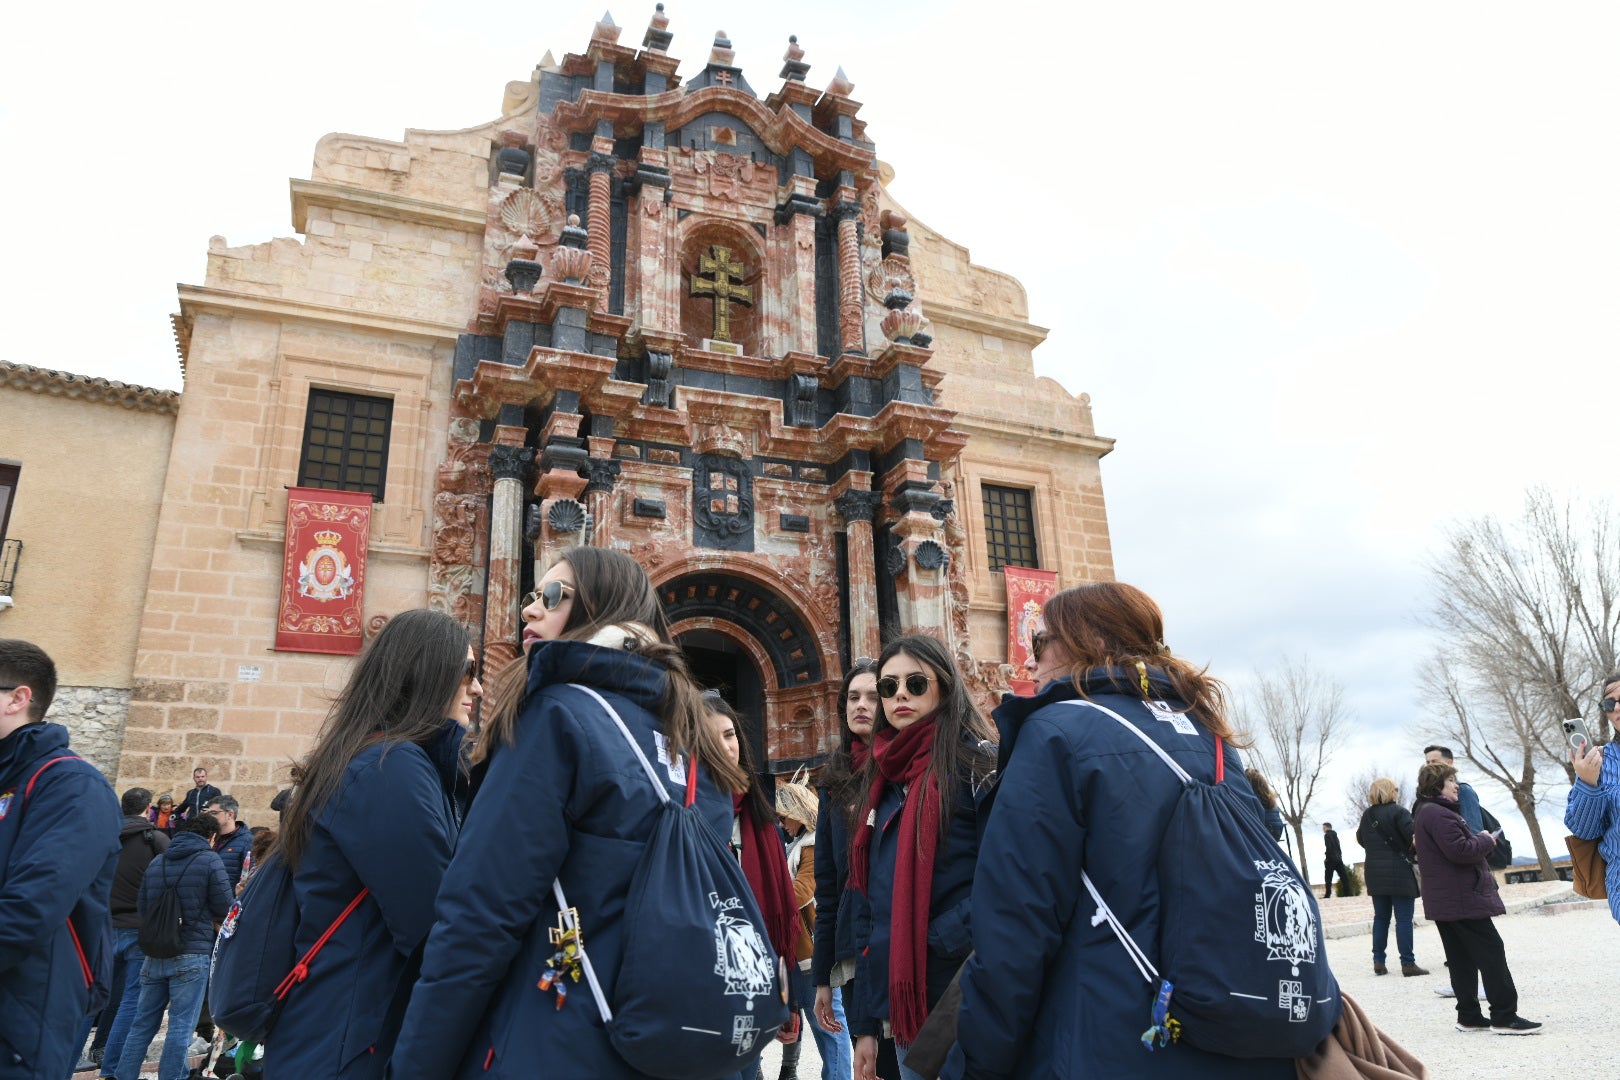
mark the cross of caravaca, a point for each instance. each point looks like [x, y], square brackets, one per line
[723, 284]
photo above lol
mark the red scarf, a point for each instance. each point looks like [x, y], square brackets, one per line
[902, 758]
[764, 863]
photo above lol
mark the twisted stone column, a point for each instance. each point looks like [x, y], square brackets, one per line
[851, 290]
[599, 219]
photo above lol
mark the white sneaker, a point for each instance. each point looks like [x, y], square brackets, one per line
[1446, 991]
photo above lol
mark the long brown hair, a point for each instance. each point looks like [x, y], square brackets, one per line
[755, 800]
[840, 779]
[1108, 624]
[964, 741]
[610, 589]
[399, 691]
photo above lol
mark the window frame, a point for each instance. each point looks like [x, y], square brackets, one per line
[991, 529]
[10, 479]
[345, 482]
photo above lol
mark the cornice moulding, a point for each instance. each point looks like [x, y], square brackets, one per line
[967, 319]
[307, 193]
[195, 298]
[86, 388]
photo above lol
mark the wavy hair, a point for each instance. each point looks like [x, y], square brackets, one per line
[610, 589]
[399, 691]
[964, 741]
[1108, 624]
[839, 778]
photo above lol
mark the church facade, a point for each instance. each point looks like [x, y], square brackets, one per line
[678, 319]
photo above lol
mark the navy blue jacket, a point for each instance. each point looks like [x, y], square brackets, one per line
[198, 877]
[196, 798]
[1047, 994]
[949, 908]
[57, 857]
[389, 828]
[839, 909]
[567, 799]
[233, 849]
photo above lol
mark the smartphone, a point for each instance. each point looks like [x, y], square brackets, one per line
[1576, 735]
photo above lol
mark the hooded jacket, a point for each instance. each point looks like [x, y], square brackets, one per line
[389, 828]
[1389, 873]
[566, 799]
[198, 878]
[140, 842]
[1457, 884]
[58, 852]
[1047, 994]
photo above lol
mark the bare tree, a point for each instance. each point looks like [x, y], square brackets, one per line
[1356, 792]
[1529, 619]
[1298, 720]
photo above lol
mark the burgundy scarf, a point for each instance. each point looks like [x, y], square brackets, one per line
[764, 863]
[902, 758]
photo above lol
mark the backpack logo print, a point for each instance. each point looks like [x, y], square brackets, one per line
[741, 957]
[743, 1033]
[1282, 917]
[5, 803]
[1292, 996]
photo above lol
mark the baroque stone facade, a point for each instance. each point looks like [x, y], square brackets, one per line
[675, 318]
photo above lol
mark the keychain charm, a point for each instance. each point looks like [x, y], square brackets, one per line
[564, 962]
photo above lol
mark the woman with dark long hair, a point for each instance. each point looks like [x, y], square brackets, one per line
[1048, 991]
[915, 844]
[563, 798]
[372, 812]
[754, 840]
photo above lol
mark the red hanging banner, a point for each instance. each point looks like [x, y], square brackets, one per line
[1027, 592]
[323, 571]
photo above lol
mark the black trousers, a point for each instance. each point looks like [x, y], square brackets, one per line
[1327, 877]
[1475, 953]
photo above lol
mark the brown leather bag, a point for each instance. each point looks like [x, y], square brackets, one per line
[1590, 869]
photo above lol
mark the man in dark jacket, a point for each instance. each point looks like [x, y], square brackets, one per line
[197, 798]
[141, 843]
[1334, 862]
[58, 850]
[177, 983]
[235, 839]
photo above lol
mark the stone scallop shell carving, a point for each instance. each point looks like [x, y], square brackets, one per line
[529, 213]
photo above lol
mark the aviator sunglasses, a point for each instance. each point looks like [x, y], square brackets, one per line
[549, 595]
[916, 685]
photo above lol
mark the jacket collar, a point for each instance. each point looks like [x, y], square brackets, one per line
[629, 674]
[1013, 711]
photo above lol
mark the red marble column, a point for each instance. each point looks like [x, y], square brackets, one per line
[859, 508]
[850, 293]
[598, 221]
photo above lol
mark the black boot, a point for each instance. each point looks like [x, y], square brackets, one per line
[790, 1057]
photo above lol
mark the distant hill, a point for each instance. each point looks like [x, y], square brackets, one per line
[1521, 860]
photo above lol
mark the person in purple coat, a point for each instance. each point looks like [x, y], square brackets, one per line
[1460, 897]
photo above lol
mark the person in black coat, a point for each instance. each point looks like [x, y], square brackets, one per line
[563, 799]
[1386, 833]
[58, 851]
[372, 815]
[199, 795]
[176, 984]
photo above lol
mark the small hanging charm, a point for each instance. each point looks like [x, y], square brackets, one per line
[565, 961]
[1141, 671]
[1166, 1029]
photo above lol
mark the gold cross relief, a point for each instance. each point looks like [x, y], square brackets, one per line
[724, 284]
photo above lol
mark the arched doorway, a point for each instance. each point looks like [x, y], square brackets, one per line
[720, 663]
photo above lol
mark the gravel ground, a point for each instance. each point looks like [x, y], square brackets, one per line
[1573, 998]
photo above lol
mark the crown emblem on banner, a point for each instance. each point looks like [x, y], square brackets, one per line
[328, 538]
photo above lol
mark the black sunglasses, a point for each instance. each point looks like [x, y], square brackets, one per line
[550, 595]
[471, 674]
[1037, 644]
[916, 685]
[1608, 704]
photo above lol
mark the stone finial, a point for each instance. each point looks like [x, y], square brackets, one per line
[573, 235]
[658, 35]
[840, 85]
[794, 69]
[607, 31]
[548, 62]
[722, 54]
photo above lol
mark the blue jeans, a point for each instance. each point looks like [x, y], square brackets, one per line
[1401, 907]
[177, 985]
[127, 955]
[837, 1056]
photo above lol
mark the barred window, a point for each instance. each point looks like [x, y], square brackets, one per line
[1009, 526]
[346, 442]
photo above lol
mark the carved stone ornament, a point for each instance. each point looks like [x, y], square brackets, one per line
[566, 516]
[510, 462]
[533, 519]
[891, 275]
[721, 439]
[856, 505]
[722, 503]
[375, 624]
[931, 556]
[659, 367]
[571, 265]
[527, 212]
[601, 474]
[729, 175]
[895, 561]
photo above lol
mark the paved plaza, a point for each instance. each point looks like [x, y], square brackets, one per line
[1566, 967]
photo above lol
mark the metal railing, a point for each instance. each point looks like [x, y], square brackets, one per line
[10, 558]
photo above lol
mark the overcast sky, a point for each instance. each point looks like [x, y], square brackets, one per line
[1333, 275]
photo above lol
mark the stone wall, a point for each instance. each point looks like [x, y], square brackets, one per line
[95, 716]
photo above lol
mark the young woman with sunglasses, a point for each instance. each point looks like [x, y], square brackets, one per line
[1047, 992]
[563, 798]
[754, 840]
[372, 811]
[915, 844]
